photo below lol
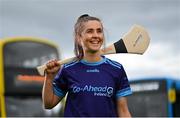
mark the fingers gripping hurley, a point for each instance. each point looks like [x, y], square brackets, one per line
[135, 41]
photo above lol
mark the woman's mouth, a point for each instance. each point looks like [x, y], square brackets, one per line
[94, 42]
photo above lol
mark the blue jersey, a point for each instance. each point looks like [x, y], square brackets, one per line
[93, 88]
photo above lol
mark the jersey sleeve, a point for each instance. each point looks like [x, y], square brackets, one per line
[123, 87]
[60, 83]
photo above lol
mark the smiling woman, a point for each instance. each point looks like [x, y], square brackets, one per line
[93, 82]
[88, 28]
[92, 37]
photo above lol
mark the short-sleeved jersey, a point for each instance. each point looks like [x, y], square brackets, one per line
[93, 88]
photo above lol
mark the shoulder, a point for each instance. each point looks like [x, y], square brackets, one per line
[70, 64]
[65, 68]
[113, 63]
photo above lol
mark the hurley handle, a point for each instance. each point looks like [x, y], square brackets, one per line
[41, 69]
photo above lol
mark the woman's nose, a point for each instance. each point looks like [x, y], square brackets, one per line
[95, 34]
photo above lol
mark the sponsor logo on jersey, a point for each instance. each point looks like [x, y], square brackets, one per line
[98, 91]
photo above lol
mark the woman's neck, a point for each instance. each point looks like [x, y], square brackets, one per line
[92, 57]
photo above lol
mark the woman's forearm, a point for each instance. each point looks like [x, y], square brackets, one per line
[48, 94]
[122, 108]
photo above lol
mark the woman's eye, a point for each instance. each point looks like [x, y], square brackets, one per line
[99, 31]
[89, 31]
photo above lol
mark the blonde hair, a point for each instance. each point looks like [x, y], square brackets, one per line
[78, 29]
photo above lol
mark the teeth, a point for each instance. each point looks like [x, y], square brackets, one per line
[94, 42]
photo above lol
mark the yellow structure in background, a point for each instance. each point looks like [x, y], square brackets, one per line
[172, 95]
[20, 84]
[2, 102]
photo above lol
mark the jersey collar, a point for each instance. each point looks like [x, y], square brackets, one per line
[93, 63]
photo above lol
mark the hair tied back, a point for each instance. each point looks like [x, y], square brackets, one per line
[83, 16]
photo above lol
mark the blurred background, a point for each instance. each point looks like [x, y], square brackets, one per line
[53, 20]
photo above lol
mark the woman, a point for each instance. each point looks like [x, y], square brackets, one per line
[96, 85]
